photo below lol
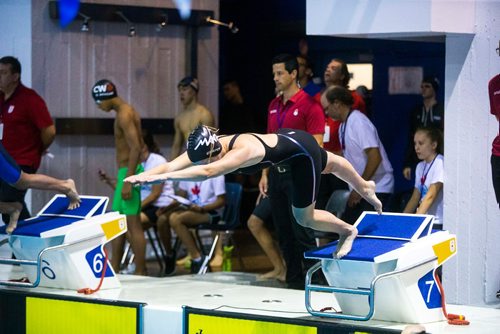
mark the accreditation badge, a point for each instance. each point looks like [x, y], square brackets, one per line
[326, 136]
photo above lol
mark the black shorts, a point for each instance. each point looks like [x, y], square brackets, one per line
[263, 209]
[150, 212]
[214, 217]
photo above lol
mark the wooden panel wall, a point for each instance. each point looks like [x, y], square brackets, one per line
[145, 68]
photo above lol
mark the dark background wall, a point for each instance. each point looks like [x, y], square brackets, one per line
[279, 25]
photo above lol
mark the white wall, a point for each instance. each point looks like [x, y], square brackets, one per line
[470, 207]
[472, 29]
[15, 39]
[395, 17]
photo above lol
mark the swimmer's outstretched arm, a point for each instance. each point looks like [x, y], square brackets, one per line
[45, 182]
[229, 162]
[182, 161]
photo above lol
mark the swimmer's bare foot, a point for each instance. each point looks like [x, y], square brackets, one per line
[277, 274]
[371, 197]
[345, 244]
[72, 194]
[13, 216]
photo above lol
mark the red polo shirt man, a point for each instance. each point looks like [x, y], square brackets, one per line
[26, 127]
[300, 112]
[24, 115]
[293, 109]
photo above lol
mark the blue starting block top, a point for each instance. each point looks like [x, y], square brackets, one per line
[90, 206]
[379, 234]
[56, 214]
[37, 225]
[394, 226]
[363, 249]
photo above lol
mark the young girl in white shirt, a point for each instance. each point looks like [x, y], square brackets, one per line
[427, 197]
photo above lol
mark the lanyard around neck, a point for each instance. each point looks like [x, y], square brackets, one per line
[424, 174]
[281, 114]
[343, 128]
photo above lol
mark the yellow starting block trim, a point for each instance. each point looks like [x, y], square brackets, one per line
[78, 317]
[114, 228]
[446, 249]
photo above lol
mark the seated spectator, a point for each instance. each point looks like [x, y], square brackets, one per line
[156, 196]
[427, 197]
[207, 200]
[153, 197]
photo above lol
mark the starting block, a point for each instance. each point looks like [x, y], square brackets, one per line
[389, 273]
[62, 248]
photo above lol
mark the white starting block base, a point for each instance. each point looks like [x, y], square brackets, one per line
[389, 273]
[61, 248]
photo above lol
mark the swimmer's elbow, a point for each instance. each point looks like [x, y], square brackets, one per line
[210, 172]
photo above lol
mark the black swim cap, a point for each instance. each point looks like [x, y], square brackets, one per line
[202, 143]
[103, 90]
[189, 82]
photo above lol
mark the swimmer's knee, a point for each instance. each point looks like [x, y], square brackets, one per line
[304, 222]
[302, 217]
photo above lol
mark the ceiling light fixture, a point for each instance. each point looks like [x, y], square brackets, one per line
[85, 25]
[163, 23]
[131, 31]
[234, 29]
[131, 27]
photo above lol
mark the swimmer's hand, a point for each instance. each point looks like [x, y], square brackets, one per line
[134, 179]
[146, 179]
